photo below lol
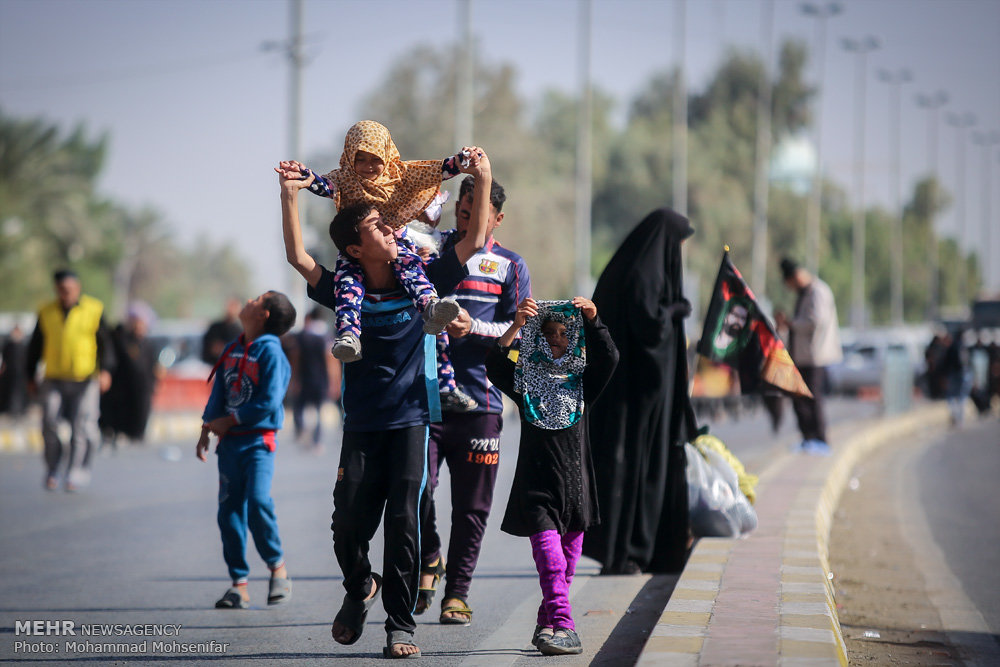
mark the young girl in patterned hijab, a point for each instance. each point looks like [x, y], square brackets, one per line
[565, 359]
[371, 171]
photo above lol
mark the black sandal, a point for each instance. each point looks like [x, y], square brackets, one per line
[425, 596]
[353, 612]
[394, 638]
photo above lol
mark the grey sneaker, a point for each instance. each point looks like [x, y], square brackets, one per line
[457, 401]
[347, 348]
[541, 634]
[562, 642]
[438, 313]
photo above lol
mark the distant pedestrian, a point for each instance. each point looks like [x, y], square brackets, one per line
[311, 374]
[220, 332]
[14, 374]
[565, 360]
[814, 344]
[955, 369]
[72, 339]
[245, 410]
[126, 407]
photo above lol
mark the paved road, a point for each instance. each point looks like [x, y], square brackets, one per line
[141, 547]
[956, 478]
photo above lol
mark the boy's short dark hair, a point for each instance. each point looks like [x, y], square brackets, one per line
[64, 274]
[497, 194]
[281, 313]
[344, 226]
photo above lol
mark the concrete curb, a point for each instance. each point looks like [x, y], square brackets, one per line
[768, 598]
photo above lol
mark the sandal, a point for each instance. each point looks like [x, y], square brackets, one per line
[279, 590]
[395, 638]
[353, 612]
[232, 599]
[457, 606]
[426, 595]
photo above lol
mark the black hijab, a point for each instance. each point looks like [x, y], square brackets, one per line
[639, 425]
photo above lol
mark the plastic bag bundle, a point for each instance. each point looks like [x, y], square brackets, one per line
[716, 506]
[748, 482]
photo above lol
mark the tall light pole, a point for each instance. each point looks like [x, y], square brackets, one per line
[986, 141]
[933, 102]
[758, 267]
[896, 81]
[583, 280]
[860, 48]
[464, 67]
[821, 13]
[680, 111]
[293, 48]
[961, 122]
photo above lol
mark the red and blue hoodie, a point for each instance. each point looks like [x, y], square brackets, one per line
[250, 384]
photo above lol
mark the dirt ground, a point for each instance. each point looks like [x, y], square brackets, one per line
[885, 614]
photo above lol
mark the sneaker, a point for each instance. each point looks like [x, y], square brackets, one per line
[541, 634]
[438, 313]
[457, 400]
[347, 348]
[816, 447]
[562, 642]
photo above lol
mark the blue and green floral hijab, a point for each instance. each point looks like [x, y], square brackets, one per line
[552, 389]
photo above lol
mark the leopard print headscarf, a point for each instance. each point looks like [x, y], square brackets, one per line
[552, 389]
[400, 193]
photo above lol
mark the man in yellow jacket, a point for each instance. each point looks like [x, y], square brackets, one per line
[72, 340]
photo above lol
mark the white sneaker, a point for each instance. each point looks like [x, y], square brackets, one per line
[347, 348]
[438, 314]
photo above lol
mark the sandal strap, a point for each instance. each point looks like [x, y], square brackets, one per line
[393, 637]
[462, 608]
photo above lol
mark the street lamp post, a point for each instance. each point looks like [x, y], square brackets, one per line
[582, 278]
[933, 102]
[821, 13]
[861, 48]
[758, 270]
[896, 81]
[986, 141]
[961, 122]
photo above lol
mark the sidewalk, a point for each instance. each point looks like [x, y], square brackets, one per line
[767, 599]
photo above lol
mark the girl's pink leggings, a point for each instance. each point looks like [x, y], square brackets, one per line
[555, 558]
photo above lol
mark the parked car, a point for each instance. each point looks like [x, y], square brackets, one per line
[865, 353]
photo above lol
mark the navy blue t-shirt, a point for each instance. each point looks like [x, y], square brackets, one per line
[394, 384]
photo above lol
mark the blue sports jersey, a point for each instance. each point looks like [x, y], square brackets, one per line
[497, 281]
[394, 384]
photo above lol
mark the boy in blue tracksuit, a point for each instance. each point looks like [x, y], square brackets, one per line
[245, 411]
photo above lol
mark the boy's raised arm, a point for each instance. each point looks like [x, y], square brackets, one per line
[291, 230]
[475, 237]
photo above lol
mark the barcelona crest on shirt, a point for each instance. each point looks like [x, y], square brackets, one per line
[488, 266]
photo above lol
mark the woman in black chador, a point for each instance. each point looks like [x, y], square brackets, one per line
[639, 425]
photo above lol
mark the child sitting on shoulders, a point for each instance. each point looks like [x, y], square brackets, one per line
[371, 171]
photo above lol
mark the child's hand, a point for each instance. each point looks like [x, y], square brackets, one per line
[461, 325]
[526, 309]
[202, 447]
[586, 306]
[220, 425]
[292, 175]
[476, 162]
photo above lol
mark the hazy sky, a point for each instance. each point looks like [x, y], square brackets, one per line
[196, 110]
